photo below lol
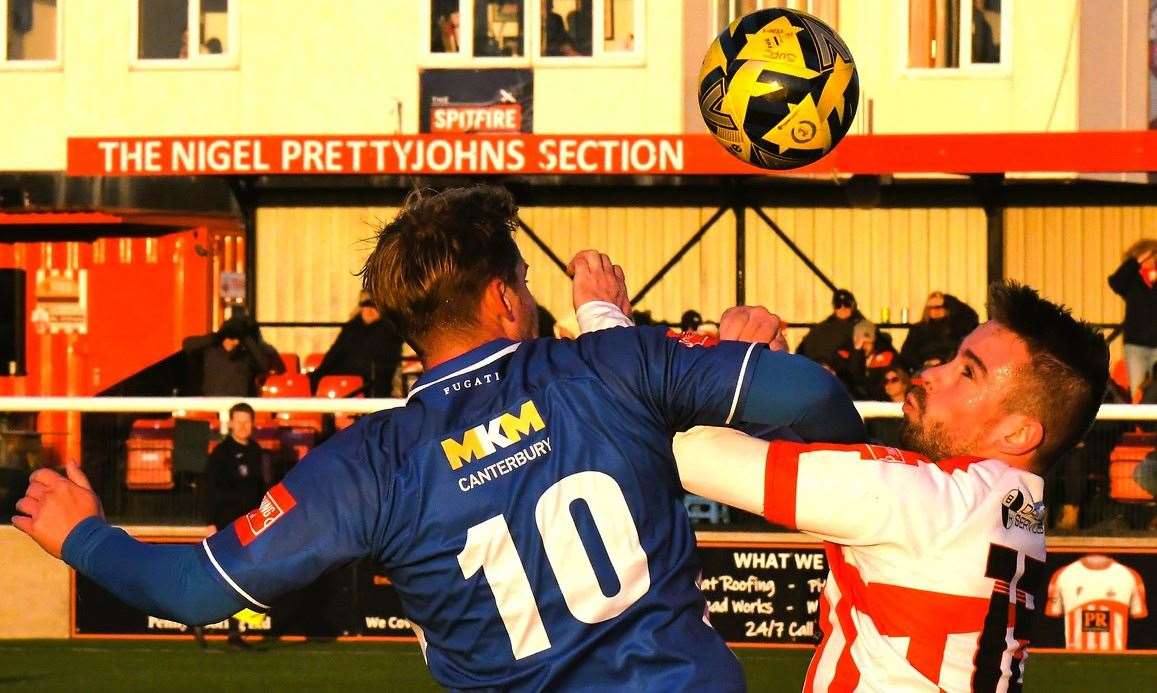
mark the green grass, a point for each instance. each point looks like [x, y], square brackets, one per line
[127, 665]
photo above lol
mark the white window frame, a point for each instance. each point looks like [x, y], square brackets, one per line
[53, 65]
[967, 68]
[532, 41]
[733, 11]
[228, 59]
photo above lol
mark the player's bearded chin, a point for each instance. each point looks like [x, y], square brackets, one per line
[929, 438]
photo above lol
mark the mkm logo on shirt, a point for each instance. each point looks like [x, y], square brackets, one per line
[501, 432]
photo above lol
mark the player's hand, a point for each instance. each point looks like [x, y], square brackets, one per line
[753, 324]
[54, 505]
[596, 278]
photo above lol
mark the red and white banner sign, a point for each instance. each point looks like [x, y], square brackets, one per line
[412, 154]
[527, 154]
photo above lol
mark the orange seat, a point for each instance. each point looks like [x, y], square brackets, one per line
[334, 386]
[1119, 372]
[286, 385]
[290, 385]
[149, 460]
[1123, 460]
[312, 362]
[291, 362]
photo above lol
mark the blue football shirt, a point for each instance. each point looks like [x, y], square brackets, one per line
[526, 506]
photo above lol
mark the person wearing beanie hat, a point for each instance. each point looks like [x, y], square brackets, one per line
[366, 346]
[228, 362]
[830, 341]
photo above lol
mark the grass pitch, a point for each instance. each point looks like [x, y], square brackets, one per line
[173, 666]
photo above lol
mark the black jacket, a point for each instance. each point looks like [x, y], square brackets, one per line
[230, 373]
[372, 351]
[939, 339]
[831, 335]
[1140, 303]
[236, 480]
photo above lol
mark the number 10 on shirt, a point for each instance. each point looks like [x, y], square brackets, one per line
[490, 547]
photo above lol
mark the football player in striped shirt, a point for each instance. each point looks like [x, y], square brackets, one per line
[935, 555]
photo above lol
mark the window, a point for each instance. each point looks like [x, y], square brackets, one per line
[955, 33]
[498, 28]
[568, 27]
[31, 32]
[500, 31]
[727, 11]
[189, 31]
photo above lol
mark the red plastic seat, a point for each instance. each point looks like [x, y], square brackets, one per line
[312, 362]
[1123, 460]
[290, 385]
[334, 386]
[286, 385]
[292, 363]
[149, 460]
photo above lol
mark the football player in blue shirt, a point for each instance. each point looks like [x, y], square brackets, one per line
[524, 503]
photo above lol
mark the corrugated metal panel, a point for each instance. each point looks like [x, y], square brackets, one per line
[889, 258]
[307, 258]
[1068, 253]
[642, 240]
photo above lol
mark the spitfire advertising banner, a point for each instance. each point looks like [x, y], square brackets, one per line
[759, 594]
[476, 101]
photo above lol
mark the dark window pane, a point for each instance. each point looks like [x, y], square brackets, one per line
[214, 23]
[163, 30]
[498, 28]
[32, 29]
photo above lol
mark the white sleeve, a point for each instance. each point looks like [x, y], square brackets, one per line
[599, 315]
[849, 494]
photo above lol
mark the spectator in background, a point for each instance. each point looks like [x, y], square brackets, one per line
[366, 346]
[233, 359]
[444, 36]
[871, 357]
[823, 341]
[1136, 282]
[888, 431]
[943, 325]
[237, 478]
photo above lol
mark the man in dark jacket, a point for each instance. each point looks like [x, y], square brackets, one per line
[232, 358]
[366, 346]
[237, 477]
[1136, 282]
[823, 342]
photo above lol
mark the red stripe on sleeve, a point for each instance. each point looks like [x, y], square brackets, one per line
[779, 479]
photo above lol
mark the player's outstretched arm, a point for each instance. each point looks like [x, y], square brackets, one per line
[851, 494]
[63, 515]
[599, 292]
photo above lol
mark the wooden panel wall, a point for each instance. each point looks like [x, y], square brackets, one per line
[889, 258]
[1068, 254]
[642, 240]
[306, 263]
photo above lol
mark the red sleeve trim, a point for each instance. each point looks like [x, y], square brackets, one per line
[779, 479]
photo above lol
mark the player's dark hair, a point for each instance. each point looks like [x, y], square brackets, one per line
[1064, 383]
[434, 260]
[242, 407]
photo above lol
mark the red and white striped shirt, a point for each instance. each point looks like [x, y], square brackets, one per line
[1096, 595]
[933, 567]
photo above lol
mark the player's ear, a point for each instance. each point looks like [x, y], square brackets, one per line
[497, 301]
[1019, 434]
